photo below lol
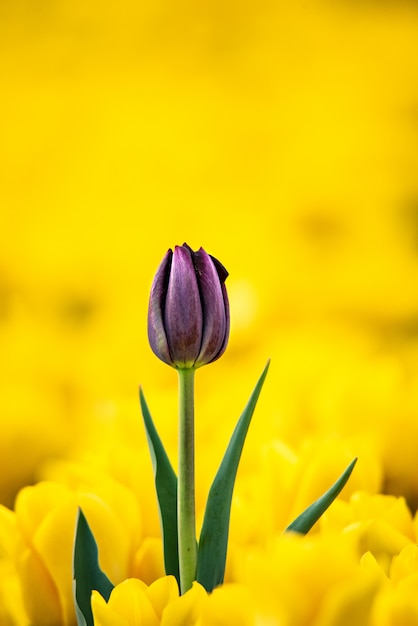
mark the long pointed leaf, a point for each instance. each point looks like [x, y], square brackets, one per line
[87, 573]
[166, 486]
[213, 541]
[304, 522]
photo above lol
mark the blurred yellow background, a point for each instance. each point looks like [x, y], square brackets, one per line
[280, 136]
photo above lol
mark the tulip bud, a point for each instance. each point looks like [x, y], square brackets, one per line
[188, 316]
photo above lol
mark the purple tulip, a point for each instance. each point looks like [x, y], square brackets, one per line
[188, 316]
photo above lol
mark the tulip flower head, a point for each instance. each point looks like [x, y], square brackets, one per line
[188, 316]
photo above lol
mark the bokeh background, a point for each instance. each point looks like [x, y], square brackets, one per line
[280, 136]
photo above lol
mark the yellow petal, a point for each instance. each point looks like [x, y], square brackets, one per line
[398, 606]
[39, 591]
[112, 536]
[350, 601]
[103, 614]
[162, 592]
[185, 610]
[35, 502]
[53, 541]
[149, 560]
[405, 563]
[129, 600]
[383, 540]
[229, 605]
[10, 537]
[368, 561]
[12, 610]
[124, 506]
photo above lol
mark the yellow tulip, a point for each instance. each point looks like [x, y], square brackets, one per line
[132, 603]
[378, 523]
[314, 580]
[40, 536]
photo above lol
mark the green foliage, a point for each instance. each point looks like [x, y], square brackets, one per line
[304, 522]
[87, 573]
[213, 543]
[166, 486]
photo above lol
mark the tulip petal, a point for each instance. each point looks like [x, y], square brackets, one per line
[149, 560]
[10, 537]
[43, 605]
[183, 309]
[129, 599]
[162, 591]
[34, 503]
[229, 605]
[156, 331]
[221, 269]
[185, 610]
[214, 305]
[103, 614]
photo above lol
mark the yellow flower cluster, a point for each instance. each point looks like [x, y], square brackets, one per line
[359, 565]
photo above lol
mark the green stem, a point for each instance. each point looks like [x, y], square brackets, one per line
[186, 489]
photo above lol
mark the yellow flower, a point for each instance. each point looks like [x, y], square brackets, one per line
[379, 523]
[397, 603]
[309, 581]
[133, 469]
[132, 603]
[397, 607]
[405, 563]
[40, 535]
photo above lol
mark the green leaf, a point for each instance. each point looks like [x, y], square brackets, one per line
[166, 487]
[213, 543]
[304, 522]
[87, 573]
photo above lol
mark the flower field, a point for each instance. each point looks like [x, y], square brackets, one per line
[283, 138]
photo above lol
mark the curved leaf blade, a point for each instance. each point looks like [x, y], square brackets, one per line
[166, 486]
[304, 522]
[213, 543]
[87, 573]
